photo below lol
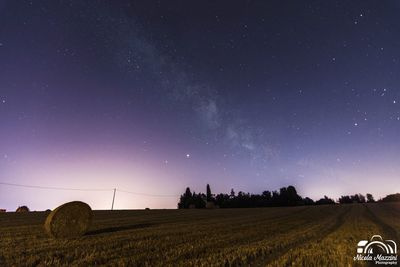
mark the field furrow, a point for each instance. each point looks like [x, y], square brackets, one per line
[292, 236]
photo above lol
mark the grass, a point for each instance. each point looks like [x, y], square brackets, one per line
[292, 236]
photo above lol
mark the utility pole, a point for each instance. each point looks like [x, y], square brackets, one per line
[112, 205]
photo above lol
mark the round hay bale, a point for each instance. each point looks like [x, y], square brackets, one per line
[22, 209]
[69, 220]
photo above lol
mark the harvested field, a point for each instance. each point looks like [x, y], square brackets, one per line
[303, 236]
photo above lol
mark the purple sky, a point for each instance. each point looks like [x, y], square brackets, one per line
[153, 97]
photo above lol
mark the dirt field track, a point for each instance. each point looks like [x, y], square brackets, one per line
[293, 236]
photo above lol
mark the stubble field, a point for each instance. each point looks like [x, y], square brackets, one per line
[291, 236]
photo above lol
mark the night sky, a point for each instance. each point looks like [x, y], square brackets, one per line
[154, 96]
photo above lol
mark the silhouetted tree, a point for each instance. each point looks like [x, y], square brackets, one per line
[199, 200]
[209, 196]
[324, 201]
[287, 196]
[275, 198]
[222, 200]
[391, 198]
[345, 200]
[186, 199]
[232, 195]
[357, 198]
[361, 198]
[370, 198]
[266, 195]
[188, 193]
[283, 198]
[292, 196]
[308, 201]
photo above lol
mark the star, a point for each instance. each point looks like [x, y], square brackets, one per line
[355, 124]
[394, 101]
[187, 156]
[3, 101]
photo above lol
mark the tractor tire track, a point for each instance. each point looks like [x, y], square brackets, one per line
[340, 220]
[388, 230]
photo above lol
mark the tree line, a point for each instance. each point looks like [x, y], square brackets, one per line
[286, 196]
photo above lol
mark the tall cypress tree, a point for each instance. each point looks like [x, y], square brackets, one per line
[209, 196]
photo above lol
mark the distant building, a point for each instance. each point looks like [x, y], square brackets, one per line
[2, 210]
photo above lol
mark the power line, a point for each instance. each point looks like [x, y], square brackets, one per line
[84, 189]
[54, 188]
[144, 194]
